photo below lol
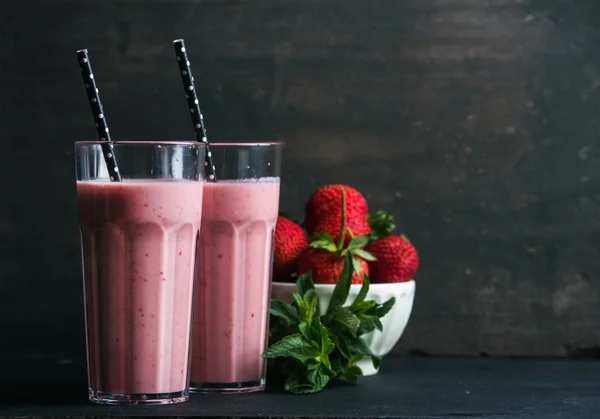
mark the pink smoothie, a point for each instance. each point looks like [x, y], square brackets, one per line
[139, 249]
[234, 279]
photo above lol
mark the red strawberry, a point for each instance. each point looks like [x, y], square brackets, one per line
[326, 200]
[332, 225]
[290, 242]
[326, 267]
[396, 260]
[324, 212]
[325, 257]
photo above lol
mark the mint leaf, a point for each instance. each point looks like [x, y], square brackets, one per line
[360, 346]
[336, 365]
[305, 283]
[318, 379]
[305, 331]
[348, 319]
[312, 299]
[285, 311]
[385, 307]
[367, 324]
[303, 308]
[343, 345]
[377, 324]
[341, 290]
[376, 361]
[292, 346]
[362, 294]
[321, 333]
[309, 350]
[298, 383]
[352, 373]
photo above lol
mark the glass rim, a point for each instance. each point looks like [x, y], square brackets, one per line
[254, 144]
[187, 143]
[161, 143]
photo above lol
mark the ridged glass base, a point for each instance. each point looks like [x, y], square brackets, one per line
[101, 397]
[238, 387]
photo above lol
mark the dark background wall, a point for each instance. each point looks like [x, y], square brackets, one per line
[475, 122]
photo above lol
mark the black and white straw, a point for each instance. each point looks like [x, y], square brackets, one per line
[99, 117]
[193, 105]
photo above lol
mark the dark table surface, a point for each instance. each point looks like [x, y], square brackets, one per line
[55, 386]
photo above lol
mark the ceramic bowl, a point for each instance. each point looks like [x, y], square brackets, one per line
[394, 322]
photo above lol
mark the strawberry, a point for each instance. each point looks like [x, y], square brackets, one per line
[355, 226]
[323, 212]
[290, 242]
[396, 260]
[325, 258]
[326, 267]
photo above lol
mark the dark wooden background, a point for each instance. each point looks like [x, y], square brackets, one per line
[475, 122]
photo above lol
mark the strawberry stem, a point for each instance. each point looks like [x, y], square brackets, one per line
[343, 230]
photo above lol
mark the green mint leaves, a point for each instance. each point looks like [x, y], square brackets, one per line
[309, 350]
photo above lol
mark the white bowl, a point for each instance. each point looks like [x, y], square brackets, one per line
[394, 322]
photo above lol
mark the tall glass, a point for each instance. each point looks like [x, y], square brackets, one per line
[139, 240]
[234, 276]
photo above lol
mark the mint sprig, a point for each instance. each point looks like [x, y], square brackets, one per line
[309, 350]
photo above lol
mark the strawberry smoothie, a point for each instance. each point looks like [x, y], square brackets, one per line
[139, 247]
[233, 285]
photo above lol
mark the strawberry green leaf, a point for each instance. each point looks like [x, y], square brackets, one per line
[381, 224]
[323, 245]
[341, 290]
[358, 242]
[356, 265]
[364, 254]
[322, 236]
[343, 226]
[285, 311]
